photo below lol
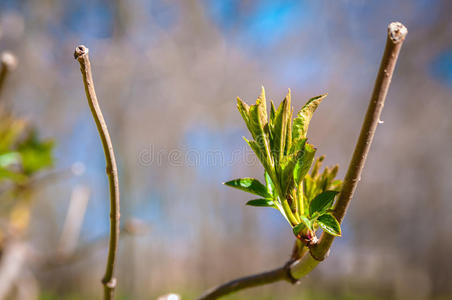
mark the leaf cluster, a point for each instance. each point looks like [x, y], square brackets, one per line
[280, 143]
[22, 153]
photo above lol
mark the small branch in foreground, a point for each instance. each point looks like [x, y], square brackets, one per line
[109, 281]
[294, 271]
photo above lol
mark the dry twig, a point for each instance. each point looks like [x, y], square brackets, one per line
[109, 281]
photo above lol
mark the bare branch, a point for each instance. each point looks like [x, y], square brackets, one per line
[396, 35]
[294, 271]
[81, 54]
[275, 275]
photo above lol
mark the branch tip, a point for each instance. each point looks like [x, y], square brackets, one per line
[80, 51]
[397, 31]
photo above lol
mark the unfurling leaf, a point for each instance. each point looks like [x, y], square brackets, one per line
[317, 165]
[278, 131]
[301, 122]
[270, 185]
[249, 185]
[304, 162]
[261, 203]
[322, 202]
[260, 153]
[329, 224]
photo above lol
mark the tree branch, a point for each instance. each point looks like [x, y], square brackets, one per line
[109, 282]
[293, 271]
[247, 282]
[396, 36]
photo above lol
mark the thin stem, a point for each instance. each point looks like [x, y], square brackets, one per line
[246, 282]
[396, 35]
[304, 265]
[109, 281]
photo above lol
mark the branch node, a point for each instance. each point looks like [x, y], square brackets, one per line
[290, 277]
[318, 258]
[111, 284]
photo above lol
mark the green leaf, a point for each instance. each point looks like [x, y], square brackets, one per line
[35, 154]
[304, 162]
[329, 224]
[16, 177]
[249, 185]
[286, 167]
[244, 110]
[270, 185]
[301, 122]
[289, 134]
[322, 202]
[261, 203]
[272, 111]
[279, 128]
[10, 158]
[317, 165]
[260, 154]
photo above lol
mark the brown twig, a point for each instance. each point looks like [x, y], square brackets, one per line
[396, 35]
[109, 281]
[293, 271]
[275, 275]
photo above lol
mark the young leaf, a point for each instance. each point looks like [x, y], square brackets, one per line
[279, 128]
[244, 110]
[260, 154]
[317, 165]
[286, 167]
[258, 121]
[272, 111]
[322, 202]
[35, 154]
[289, 134]
[249, 185]
[10, 158]
[304, 162]
[261, 203]
[301, 122]
[270, 186]
[329, 224]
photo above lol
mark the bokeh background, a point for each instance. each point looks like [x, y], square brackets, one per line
[167, 74]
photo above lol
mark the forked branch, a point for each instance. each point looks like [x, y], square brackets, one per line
[296, 270]
[109, 281]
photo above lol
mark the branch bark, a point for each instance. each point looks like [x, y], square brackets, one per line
[292, 272]
[109, 281]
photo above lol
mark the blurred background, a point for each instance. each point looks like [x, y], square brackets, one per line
[167, 74]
